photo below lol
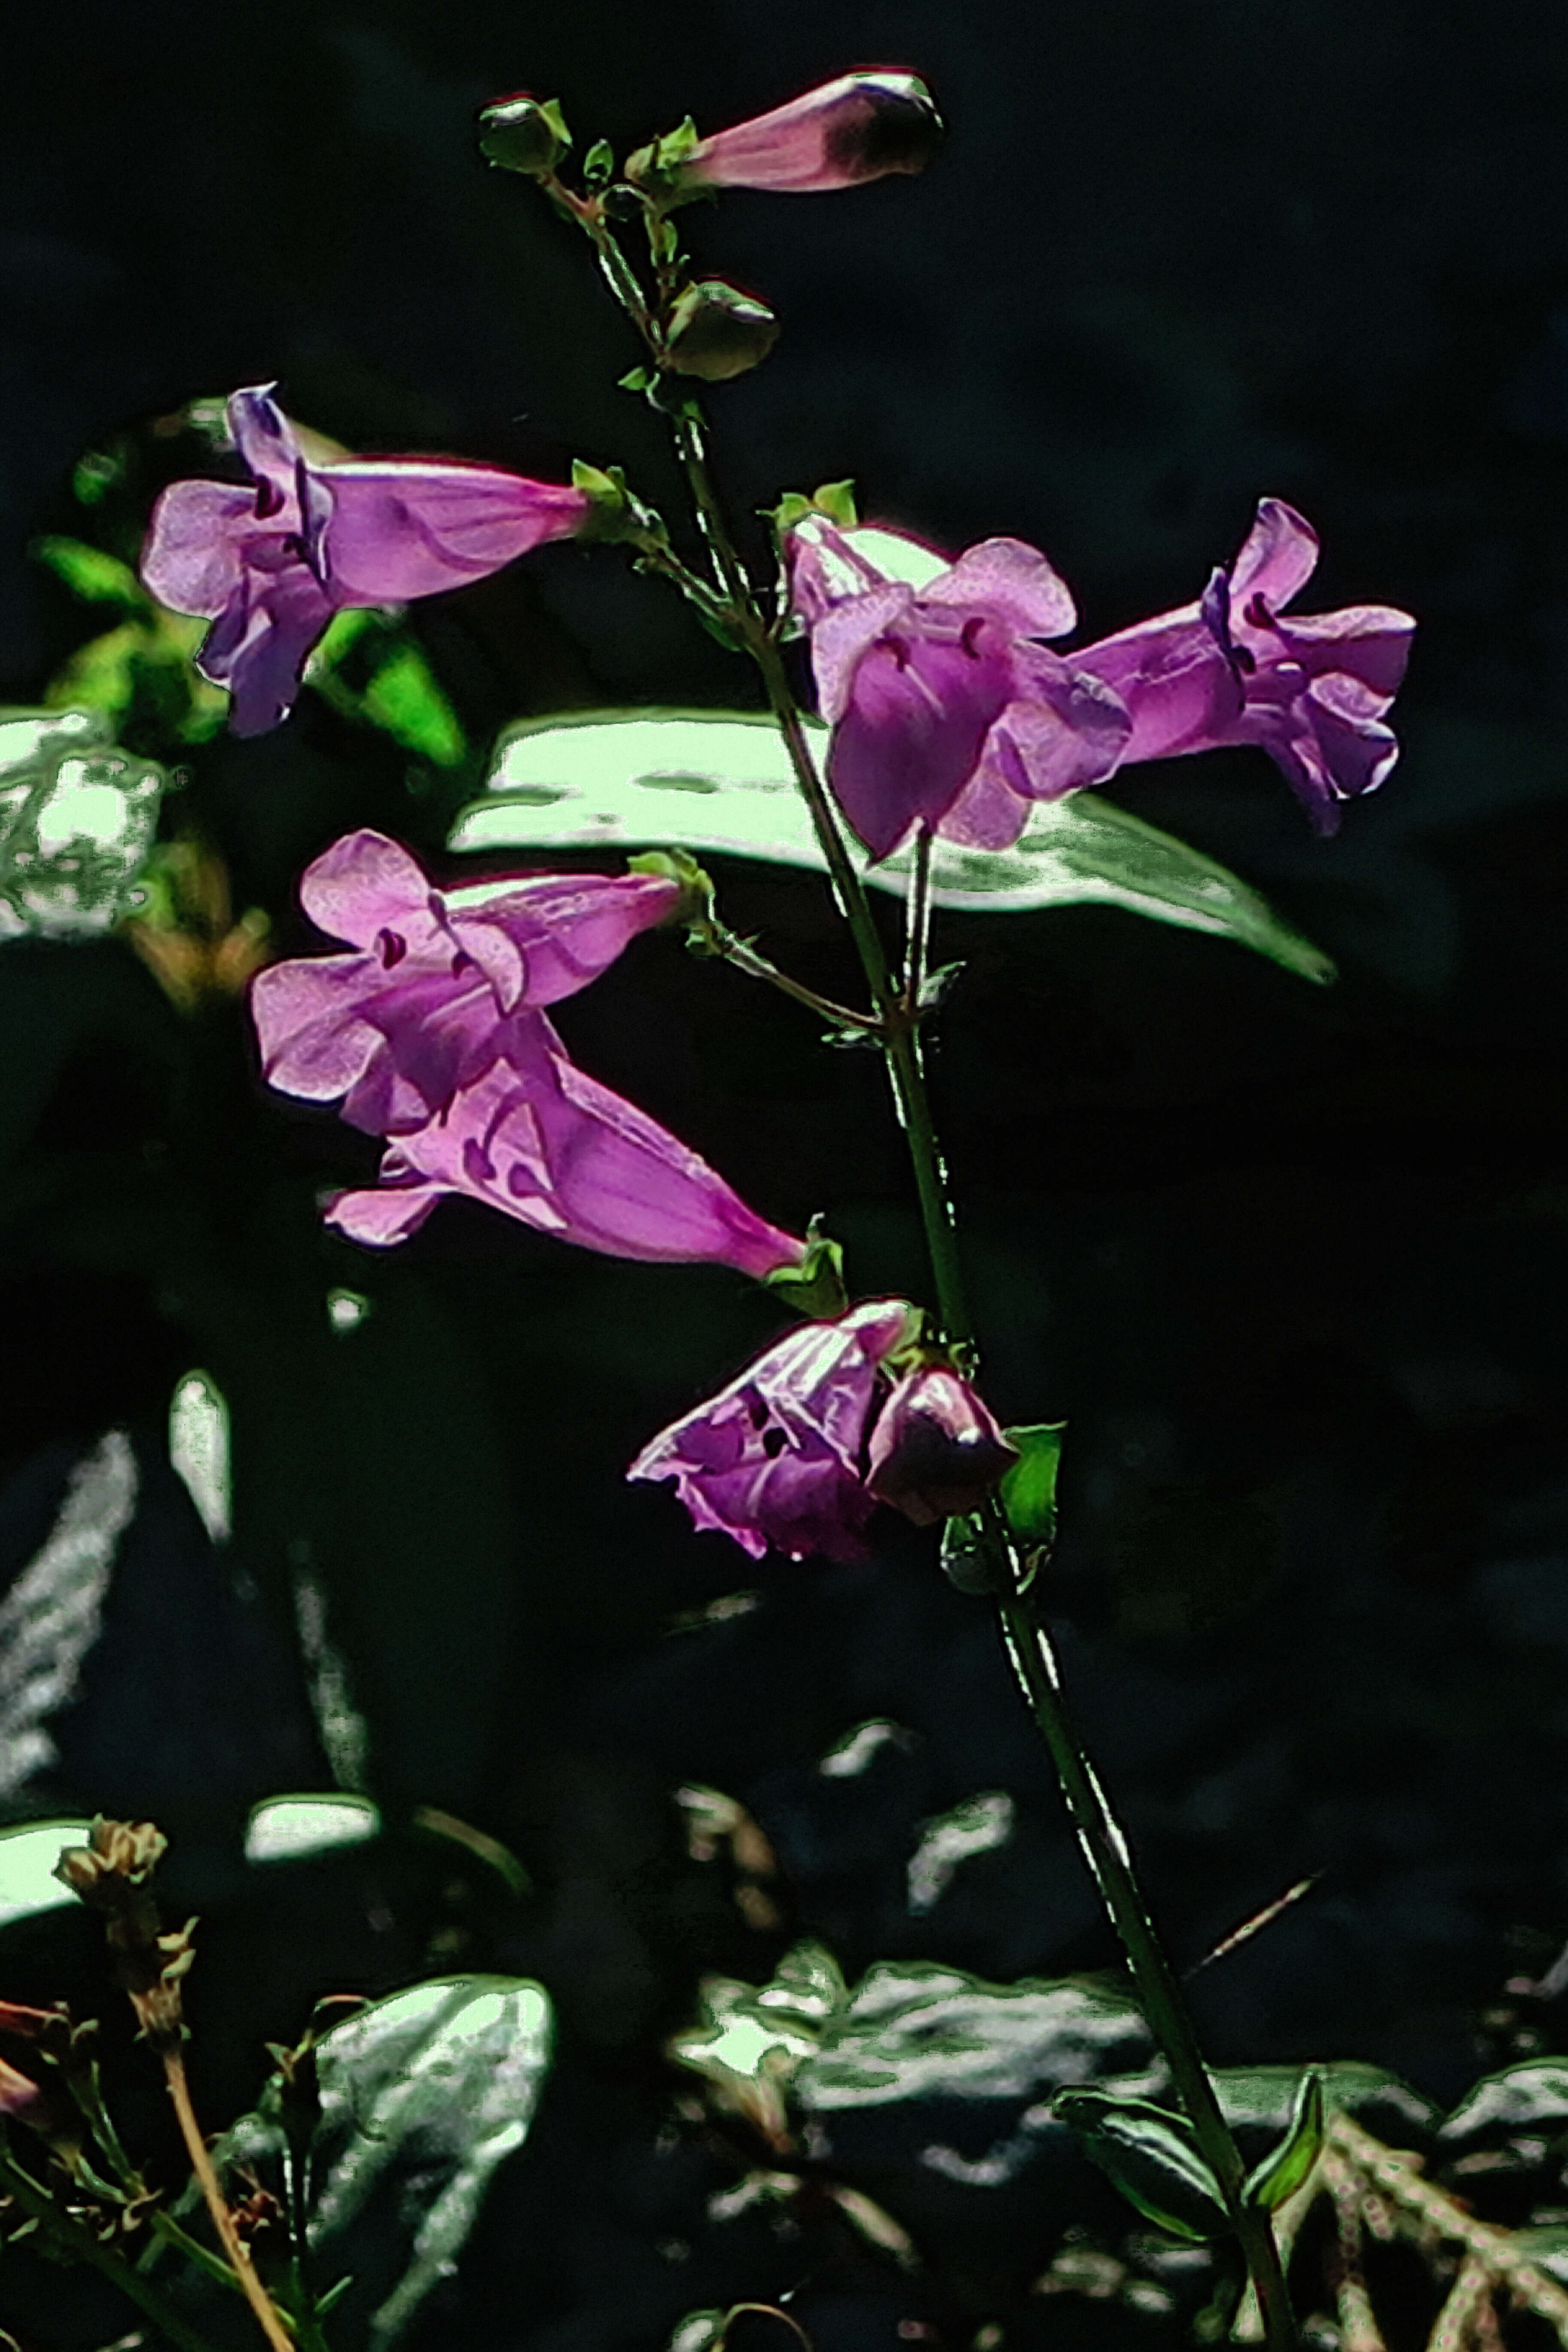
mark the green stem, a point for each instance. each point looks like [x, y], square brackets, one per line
[72, 2237]
[721, 941]
[1034, 1662]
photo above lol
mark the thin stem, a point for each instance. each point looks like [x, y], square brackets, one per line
[724, 943]
[256, 2294]
[40, 2207]
[1034, 1662]
[692, 444]
[916, 920]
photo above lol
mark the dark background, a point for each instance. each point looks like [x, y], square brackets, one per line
[1288, 1261]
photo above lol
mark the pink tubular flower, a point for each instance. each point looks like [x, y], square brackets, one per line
[948, 713]
[419, 1007]
[1313, 689]
[270, 566]
[776, 1459]
[430, 1034]
[860, 126]
[936, 1451]
[540, 1140]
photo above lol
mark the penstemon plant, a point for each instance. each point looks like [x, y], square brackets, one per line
[954, 727]
[948, 715]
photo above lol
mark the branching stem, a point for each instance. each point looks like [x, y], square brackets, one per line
[255, 2293]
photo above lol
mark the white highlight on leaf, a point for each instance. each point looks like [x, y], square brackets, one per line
[339, 1721]
[51, 1617]
[27, 1859]
[199, 1450]
[848, 1757]
[974, 1827]
[283, 1827]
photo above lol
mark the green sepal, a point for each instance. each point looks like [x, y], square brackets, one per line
[636, 379]
[657, 168]
[1029, 1490]
[833, 500]
[599, 163]
[613, 511]
[1151, 2157]
[1282, 2173]
[837, 501]
[815, 1286]
[696, 904]
[971, 1557]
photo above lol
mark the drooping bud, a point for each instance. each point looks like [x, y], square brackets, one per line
[520, 133]
[716, 331]
[936, 1451]
[860, 126]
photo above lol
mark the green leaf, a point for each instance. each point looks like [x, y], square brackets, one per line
[93, 573]
[1259, 2102]
[705, 781]
[912, 2030]
[1151, 2157]
[422, 2095]
[76, 820]
[371, 668]
[1282, 2173]
[598, 162]
[1029, 1488]
[1521, 2098]
[27, 1859]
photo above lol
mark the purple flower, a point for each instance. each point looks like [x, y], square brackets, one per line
[936, 1450]
[860, 126]
[948, 713]
[1312, 688]
[421, 1005]
[270, 566]
[540, 1140]
[776, 1459]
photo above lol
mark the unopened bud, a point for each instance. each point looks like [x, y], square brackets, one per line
[936, 1451]
[520, 133]
[716, 331]
[860, 126]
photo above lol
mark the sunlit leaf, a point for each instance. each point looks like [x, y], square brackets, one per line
[702, 780]
[912, 2030]
[370, 665]
[1151, 2157]
[1029, 1488]
[77, 819]
[27, 1859]
[422, 2096]
[1284, 2172]
[93, 573]
[282, 1828]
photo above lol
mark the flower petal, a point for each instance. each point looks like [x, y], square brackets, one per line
[194, 557]
[920, 707]
[408, 527]
[1179, 692]
[1278, 557]
[269, 446]
[365, 885]
[1013, 580]
[259, 644]
[843, 634]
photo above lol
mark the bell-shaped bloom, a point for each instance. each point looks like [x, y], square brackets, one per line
[1313, 689]
[948, 712]
[419, 1006]
[860, 126]
[776, 1458]
[271, 565]
[936, 1450]
[540, 1140]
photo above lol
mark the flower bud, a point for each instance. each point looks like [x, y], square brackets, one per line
[716, 331]
[860, 126]
[523, 134]
[936, 1451]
